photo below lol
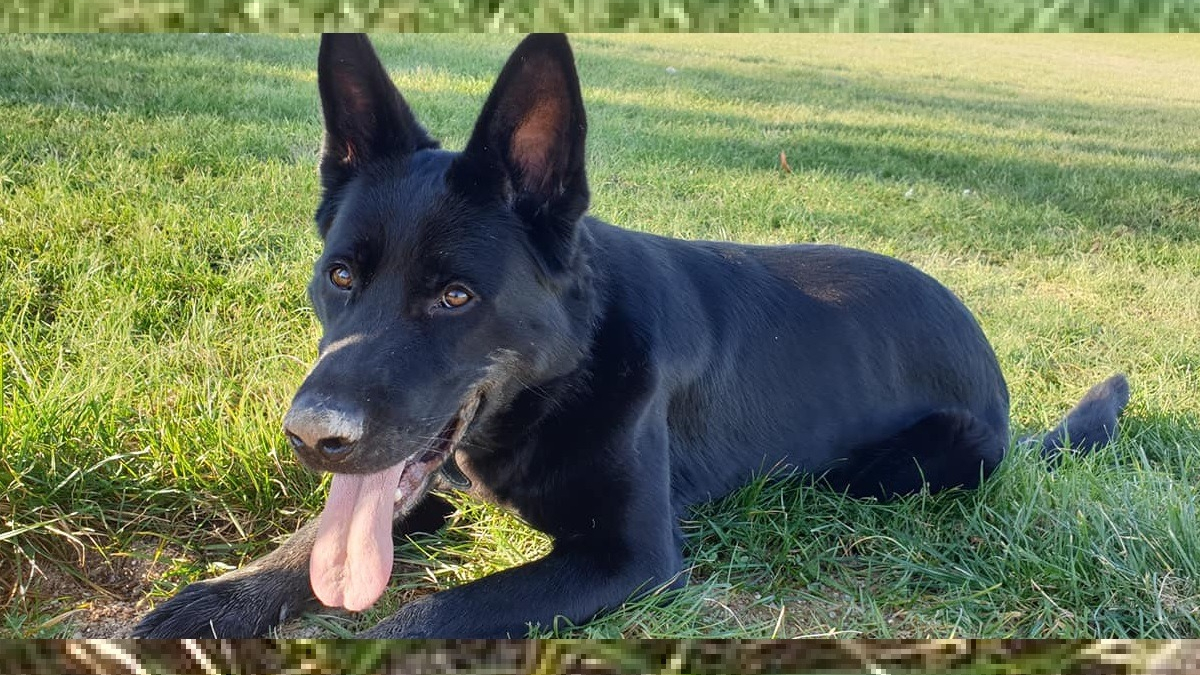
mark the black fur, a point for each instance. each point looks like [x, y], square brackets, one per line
[624, 377]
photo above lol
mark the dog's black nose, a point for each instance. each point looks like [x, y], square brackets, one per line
[321, 430]
[331, 448]
[334, 448]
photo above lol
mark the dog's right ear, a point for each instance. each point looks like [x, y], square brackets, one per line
[366, 118]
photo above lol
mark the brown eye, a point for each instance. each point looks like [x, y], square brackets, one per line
[342, 277]
[455, 297]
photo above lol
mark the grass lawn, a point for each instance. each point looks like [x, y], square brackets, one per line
[156, 195]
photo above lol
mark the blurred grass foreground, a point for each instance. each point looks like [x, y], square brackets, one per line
[581, 657]
[606, 15]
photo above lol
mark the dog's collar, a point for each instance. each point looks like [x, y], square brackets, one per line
[454, 475]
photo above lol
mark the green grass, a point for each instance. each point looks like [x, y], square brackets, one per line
[156, 195]
[603, 657]
[606, 15]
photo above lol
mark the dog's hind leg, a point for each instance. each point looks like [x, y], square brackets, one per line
[250, 601]
[944, 449]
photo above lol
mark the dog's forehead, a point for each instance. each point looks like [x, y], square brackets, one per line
[389, 202]
[405, 219]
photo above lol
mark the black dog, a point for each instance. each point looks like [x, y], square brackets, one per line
[481, 332]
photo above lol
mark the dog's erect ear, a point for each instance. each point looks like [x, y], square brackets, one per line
[528, 144]
[365, 116]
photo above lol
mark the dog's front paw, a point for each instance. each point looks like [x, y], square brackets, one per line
[240, 605]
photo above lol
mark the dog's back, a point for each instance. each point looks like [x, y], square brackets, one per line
[792, 356]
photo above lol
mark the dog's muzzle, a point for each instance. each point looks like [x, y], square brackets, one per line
[321, 432]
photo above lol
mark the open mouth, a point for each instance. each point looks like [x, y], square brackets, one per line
[417, 472]
[351, 560]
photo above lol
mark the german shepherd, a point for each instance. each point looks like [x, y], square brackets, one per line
[481, 332]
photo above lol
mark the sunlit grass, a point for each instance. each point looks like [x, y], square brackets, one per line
[306, 16]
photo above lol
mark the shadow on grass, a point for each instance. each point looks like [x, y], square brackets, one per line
[243, 80]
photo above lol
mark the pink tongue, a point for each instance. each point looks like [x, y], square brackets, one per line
[352, 556]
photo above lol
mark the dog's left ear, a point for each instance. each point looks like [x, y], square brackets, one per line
[528, 144]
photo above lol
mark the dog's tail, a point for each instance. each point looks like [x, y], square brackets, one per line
[1092, 423]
